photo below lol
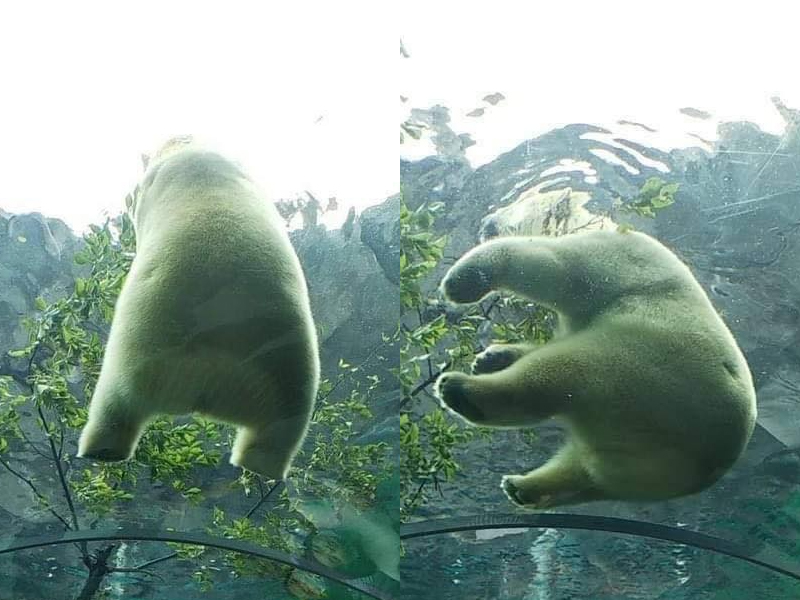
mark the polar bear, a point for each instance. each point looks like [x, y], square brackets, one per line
[553, 213]
[214, 317]
[656, 397]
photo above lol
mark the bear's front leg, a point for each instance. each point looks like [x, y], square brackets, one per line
[537, 386]
[474, 275]
[493, 400]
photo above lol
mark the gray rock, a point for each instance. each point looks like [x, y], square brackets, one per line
[352, 299]
[380, 232]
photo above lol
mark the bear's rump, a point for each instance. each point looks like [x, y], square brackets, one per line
[228, 387]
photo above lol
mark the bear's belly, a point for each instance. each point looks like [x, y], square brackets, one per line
[242, 386]
[648, 473]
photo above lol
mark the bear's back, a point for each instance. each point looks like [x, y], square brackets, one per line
[215, 281]
[609, 271]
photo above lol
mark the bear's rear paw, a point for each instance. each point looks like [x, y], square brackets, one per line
[107, 443]
[512, 486]
[511, 490]
[104, 454]
[494, 358]
[264, 464]
[452, 389]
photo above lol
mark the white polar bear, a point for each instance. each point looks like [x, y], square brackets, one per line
[553, 213]
[214, 317]
[656, 396]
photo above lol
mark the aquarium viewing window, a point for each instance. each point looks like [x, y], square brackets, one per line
[544, 348]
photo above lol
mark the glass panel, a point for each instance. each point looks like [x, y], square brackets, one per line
[198, 303]
[543, 148]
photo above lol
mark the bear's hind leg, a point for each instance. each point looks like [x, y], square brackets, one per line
[560, 481]
[269, 449]
[112, 430]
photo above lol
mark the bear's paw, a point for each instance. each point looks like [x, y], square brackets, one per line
[494, 358]
[452, 388]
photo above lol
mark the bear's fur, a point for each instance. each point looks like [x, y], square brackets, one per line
[214, 317]
[656, 397]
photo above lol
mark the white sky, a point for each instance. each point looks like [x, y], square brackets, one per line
[87, 87]
[597, 62]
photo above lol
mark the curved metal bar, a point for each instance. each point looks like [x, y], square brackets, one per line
[199, 539]
[763, 558]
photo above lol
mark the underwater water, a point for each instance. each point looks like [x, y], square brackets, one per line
[730, 222]
[254, 366]
[234, 456]
[549, 123]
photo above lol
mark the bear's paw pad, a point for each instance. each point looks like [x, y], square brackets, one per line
[452, 390]
[493, 359]
[510, 484]
[510, 489]
[104, 454]
[467, 284]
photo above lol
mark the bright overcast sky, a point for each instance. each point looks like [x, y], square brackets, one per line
[598, 62]
[87, 87]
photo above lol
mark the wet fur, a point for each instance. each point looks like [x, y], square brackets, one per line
[213, 318]
[656, 397]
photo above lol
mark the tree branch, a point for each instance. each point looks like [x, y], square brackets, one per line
[429, 380]
[55, 454]
[488, 310]
[264, 497]
[42, 498]
[60, 469]
[149, 563]
[97, 563]
[417, 494]
[359, 366]
[141, 568]
[33, 446]
[61, 440]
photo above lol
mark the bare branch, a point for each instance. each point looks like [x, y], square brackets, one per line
[42, 498]
[264, 497]
[149, 563]
[61, 441]
[140, 570]
[33, 446]
[429, 380]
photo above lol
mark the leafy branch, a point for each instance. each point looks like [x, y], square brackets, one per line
[56, 373]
